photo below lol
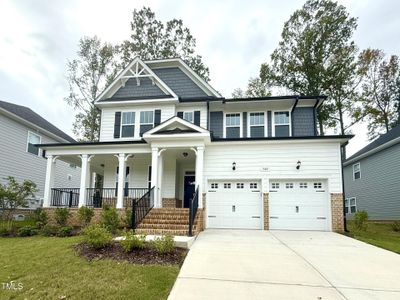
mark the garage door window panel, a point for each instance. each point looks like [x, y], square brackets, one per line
[303, 185]
[232, 124]
[289, 185]
[227, 185]
[240, 185]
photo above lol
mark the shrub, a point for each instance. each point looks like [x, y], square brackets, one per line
[65, 231]
[27, 231]
[61, 216]
[132, 241]
[128, 217]
[85, 215]
[360, 220]
[4, 231]
[49, 230]
[40, 217]
[163, 245]
[97, 237]
[396, 226]
[110, 219]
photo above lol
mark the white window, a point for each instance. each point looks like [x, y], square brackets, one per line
[256, 123]
[303, 185]
[289, 185]
[317, 185]
[281, 123]
[188, 116]
[146, 121]
[356, 171]
[240, 185]
[350, 205]
[253, 185]
[128, 124]
[232, 124]
[275, 185]
[214, 185]
[33, 139]
[227, 185]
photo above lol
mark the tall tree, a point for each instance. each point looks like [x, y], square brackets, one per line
[380, 91]
[152, 39]
[87, 76]
[315, 56]
[255, 88]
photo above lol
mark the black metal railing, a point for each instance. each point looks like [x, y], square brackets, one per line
[99, 197]
[65, 197]
[141, 207]
[193, 205]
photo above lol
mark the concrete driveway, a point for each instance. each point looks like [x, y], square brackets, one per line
[244, 264]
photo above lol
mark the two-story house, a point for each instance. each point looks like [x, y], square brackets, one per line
[255, 163]
[20, 129]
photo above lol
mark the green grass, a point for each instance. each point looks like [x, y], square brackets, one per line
[48, 268]
[378, 234]
[18, 224]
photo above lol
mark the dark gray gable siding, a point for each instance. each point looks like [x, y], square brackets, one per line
[244, 125]
[378, 189]
[145, 89]
[269, 121]
[303, 121]
[217, 123]
[179, 82]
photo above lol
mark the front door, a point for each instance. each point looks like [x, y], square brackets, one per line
[189, 189]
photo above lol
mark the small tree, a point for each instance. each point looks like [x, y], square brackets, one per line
[85, 215]
[14, 195]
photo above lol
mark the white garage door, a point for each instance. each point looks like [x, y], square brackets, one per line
[298, 205]
[234, 204]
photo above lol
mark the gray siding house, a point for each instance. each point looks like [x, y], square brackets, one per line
[372, 178]
[20, 129]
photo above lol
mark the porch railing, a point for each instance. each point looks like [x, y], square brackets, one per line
[141, 207]
[64, 197]
[98, 197]
[193, 205]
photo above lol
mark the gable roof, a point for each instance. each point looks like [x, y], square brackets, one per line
[30, 116]
[383, 142]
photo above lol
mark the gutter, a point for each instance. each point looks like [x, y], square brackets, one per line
[343, 189]
[315, 116]
[208, 115]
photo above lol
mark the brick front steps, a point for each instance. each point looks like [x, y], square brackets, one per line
[162, 221]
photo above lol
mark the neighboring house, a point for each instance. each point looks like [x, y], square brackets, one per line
[372, 178]
[20, 129]
[254, 163]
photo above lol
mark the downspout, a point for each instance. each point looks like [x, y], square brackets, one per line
[342, 161]
[315, 117]
[291, 113]
[208, 115]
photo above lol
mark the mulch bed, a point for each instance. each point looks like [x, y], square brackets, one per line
[147, 256]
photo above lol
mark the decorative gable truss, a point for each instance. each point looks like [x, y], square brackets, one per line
[136, 70]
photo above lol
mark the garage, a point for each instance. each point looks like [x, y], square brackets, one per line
[234, 204]
[298, 205]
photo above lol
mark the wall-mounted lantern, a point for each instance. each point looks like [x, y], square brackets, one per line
[233, 166]
[298, 165]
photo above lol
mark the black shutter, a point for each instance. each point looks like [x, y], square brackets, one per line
[127, 171]
[117, 124]
[44, 154]
[157, 117]
[180, 114]
[197, 117]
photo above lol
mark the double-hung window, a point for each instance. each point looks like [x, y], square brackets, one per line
[356, 171]
[350, 205]
[32, 140]
[282, 123]
[232, 124]
[146, 121]
[128, 124]
[257, 121]
[188, 116]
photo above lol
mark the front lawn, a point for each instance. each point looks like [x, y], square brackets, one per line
[48, 268]
[378, 234]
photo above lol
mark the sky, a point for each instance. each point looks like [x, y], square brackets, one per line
[38, 37]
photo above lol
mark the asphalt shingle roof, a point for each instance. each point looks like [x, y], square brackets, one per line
[383, 139]
[29, 115]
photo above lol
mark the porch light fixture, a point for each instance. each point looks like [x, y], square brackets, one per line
[298, 165]
[185, 154]
[233, 166]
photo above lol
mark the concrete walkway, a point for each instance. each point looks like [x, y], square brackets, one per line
[244, 264]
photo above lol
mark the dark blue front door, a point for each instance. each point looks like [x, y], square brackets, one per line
[189, 190]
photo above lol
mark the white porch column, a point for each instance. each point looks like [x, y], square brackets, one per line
[154, 174]
[160, 171]
[85, 178]
[49, 182]
[121, 180]
[199, 173]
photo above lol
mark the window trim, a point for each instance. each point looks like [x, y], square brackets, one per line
[27, 143]
[249, 125]
[240, 124]
[359, 171]
[348, 206]
[273, 121]
[186, 112]
[134, 124]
